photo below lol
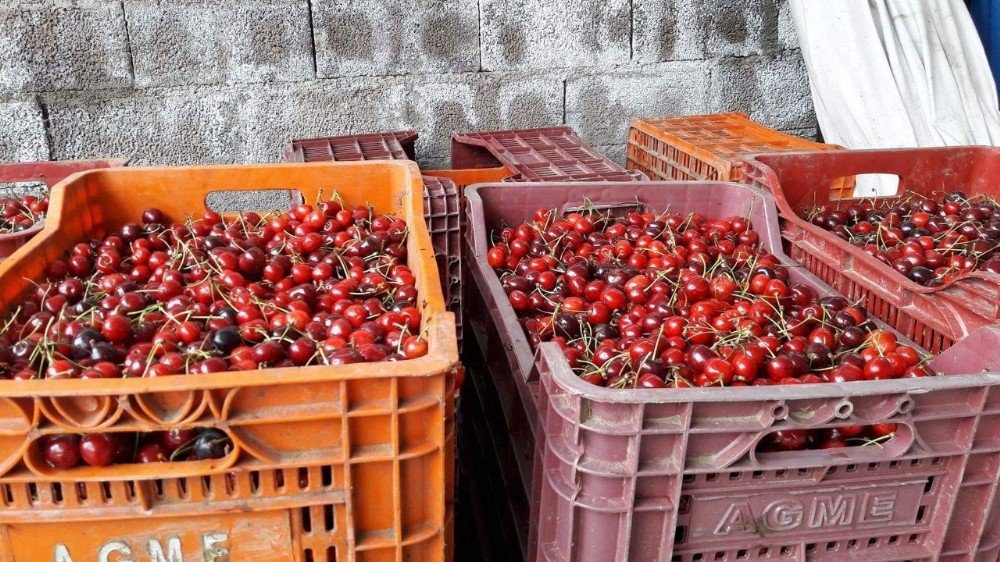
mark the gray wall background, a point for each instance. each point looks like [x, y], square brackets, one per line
[226, 81]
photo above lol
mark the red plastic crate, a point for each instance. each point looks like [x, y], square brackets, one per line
[644, 475]
[49, 173]
[442, 204]
[934, 317]
[544, 154]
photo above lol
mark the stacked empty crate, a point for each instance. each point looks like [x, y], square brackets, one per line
[442, 206]
[709, 147]
[544, 154]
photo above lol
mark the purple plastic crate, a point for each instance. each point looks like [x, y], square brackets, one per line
[442, 212]
[673, 474]
[442, 203]
[545, 154]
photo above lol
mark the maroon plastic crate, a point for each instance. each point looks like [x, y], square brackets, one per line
[671, 474]
[442, 212]
[544, 154]
[934, 317]
[49, 173]
[442, 204]
[499, 514]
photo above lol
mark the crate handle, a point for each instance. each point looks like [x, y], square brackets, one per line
[231, 201]
[865, 184]
[899, 444]
[622, 207]
[34, 461]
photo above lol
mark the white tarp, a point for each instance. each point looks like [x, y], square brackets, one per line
[897, 73]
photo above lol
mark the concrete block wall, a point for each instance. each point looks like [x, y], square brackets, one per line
[229, 81]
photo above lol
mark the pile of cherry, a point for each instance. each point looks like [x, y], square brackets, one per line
[21, 213]
[929, 241]
[668, 300]
[65, 451]
[317, 285]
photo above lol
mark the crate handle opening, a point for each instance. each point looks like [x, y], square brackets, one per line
[181, 461]
[614, 209]
[859, 448]
[232, 201]
[869, 185]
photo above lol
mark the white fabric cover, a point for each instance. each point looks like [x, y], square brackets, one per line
[896, 73]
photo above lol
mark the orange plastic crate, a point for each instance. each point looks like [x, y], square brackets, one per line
[709, 147]
[352, 462]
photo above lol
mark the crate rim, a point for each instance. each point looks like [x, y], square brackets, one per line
[442, 354]
[560, 369]
[9, 170]
[26, 233]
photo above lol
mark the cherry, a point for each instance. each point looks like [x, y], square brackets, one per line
[61, 451]
[787, 440]
[878, 368]
[302, 350]
[175, 438]
[781, 367]
[211, 444]
[414, 347]
[718, 370]
[116, 328]
[97, 449]
[151, 452]
[153, 216]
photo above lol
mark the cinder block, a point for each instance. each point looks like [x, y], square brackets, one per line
[771, 90]
[666, 30]
[447, 104]
[810, 133]
[600, 107]
[59, 44]
[250, 123]
[615, 153]
[393, 37]
[435, 163]
[739, 27]
[210, 124]
[787, 36]
[213, 41]
[22, 132]
[525, 34]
